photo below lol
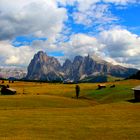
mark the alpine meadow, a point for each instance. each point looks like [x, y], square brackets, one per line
[51, 111]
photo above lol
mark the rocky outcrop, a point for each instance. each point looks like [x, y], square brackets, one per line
[43, 67]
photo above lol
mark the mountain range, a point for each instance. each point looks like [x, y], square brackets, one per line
[12, 72]
[46, 68]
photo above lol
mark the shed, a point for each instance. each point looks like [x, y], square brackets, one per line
[137, 93]
[100, 86]
[7, 91]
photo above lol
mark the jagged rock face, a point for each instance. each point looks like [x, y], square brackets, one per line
[43, 67]
[89, 65]
[67, 68]
[121, 71]
[76, 68]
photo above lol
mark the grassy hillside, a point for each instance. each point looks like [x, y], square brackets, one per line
[50, 111]
[113, 78]
[121, 92]
[101, 78]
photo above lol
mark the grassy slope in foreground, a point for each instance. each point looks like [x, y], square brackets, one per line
[109, 121]
[55, 115]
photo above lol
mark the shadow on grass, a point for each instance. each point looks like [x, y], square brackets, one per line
[82, 97]
[134, 101]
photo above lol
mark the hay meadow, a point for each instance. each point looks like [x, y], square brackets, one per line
[45, 111]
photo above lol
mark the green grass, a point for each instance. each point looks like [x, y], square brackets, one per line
[122, 92]
[109, 95]
[50, 111]
[112, 78]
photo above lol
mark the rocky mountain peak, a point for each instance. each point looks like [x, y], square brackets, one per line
[41, 56]
[43, 67]
[78, 59]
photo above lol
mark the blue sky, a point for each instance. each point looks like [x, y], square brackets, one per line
[25, 40]
[128, 17]
[66, 28]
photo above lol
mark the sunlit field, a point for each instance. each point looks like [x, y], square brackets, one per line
[51, 111]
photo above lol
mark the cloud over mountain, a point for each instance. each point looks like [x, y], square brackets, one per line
[72, 27]
[121, 45]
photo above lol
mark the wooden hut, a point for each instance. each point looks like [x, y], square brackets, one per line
[7, 91]
[137, 93]
[101, 86]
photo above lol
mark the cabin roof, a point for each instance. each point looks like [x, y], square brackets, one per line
[11, 89]
[136, 88]
[101, 85]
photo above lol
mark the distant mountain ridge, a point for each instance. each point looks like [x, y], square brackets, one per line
[135, 76]
[12, 72]
[43, 67]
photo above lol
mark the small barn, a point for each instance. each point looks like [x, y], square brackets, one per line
[7, 91]
[101, 86]
[137, 93]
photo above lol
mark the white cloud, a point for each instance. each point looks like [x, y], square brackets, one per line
[40, 18]
[81, 44]
[84, 5]
[91, 12]
[94, 12]
[12, 60]
[43, 18]
[9, 55]
[118, 46]
[98, 14]
[21, 56]
[122, 46]
[121, 2]
[36, 17]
